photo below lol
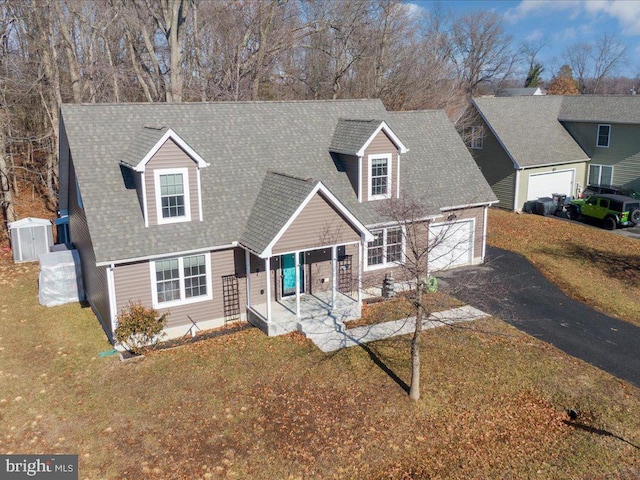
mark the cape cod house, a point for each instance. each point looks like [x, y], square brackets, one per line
[268, 211]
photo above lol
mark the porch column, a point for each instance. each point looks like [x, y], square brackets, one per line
[247, 266]
[297, 264]
[267, 270]
[360, 263]
[334, 270]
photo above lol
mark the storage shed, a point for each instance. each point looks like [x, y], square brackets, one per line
[30, 237]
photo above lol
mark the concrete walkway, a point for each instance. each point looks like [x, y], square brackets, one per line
[331, 335]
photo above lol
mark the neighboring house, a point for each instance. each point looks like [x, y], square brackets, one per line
[258, 210]
[520, 92]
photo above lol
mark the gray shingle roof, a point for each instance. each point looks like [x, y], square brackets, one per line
[242, 141]
[351, 134]
[143, 141]
[601, 109]
[278, 199]
[518, 92]
[529, 130]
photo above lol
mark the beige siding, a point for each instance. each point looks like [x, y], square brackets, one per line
[94, 278]
[477, 214]
[374, 278]
[497, 167]
[381, 144]
[170, 155]
[579, 170]
[319, 224]
[133, 283]
[623, 151]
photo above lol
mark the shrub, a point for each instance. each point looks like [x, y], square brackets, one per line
[139, 327]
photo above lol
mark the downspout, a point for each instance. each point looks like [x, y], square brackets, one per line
[247, 266]
[516, 191]
[484, 233]
[111, 287]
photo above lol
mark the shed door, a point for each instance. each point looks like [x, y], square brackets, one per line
[32, 242]
[452, 245]
[546, 184]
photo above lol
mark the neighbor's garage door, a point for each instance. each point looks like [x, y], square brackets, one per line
[545, 184]
[452, 245]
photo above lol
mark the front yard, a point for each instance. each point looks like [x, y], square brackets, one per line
[253, 407]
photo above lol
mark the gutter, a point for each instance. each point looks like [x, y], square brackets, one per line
[165, 255]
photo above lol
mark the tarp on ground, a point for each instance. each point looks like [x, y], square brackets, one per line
[60, 279]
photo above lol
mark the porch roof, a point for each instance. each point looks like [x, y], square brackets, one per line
[281, 199]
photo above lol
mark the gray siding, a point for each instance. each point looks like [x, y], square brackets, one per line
[350, 164]
[94, 278]
[319, 224]
[497, 168]
[381, 144]
[623, 151]
[170, 155]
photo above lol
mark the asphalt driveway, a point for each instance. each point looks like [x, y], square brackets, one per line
[510, 288]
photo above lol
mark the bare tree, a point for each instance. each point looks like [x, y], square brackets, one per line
[481, 50]
[593, 62]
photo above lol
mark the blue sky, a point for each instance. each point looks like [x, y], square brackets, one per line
[560, 23]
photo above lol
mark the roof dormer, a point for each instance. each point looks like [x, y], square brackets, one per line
[167, 176]
[370, 154]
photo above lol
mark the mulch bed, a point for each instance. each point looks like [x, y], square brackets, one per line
[230, 329]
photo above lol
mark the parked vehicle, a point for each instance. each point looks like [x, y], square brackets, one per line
[613, 189]
[612, 210]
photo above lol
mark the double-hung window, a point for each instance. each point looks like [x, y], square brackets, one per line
[380, 176]
[386, 249]
[172, 195]
[604, 136]
[181, 280]
[600, 175]
[477, 136]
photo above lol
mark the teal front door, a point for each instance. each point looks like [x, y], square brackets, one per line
[289, 274]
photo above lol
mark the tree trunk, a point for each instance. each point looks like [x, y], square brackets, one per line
[414, 390]
[6, 197]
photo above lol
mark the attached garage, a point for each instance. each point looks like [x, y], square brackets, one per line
[545, 184]
[452, 245]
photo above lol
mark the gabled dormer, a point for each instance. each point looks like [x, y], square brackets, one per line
[167, 176]
[369, 152]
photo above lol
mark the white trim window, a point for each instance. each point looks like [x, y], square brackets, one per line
[477, 137]
[181, 280]
[380, 168]
[386, 249]
[600, 175]
[604, 136]
[172, 195]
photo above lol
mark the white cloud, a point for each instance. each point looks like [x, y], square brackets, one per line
[531, 8]
[534, 36]
[412, 10]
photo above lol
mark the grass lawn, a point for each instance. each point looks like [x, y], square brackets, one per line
[597, 267]
[251, 407]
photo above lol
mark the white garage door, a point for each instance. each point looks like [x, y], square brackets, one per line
[545, 184]
[451, 245]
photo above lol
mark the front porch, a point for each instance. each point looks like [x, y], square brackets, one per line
[314, 308]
